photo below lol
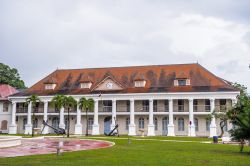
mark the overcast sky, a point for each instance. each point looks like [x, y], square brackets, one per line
[36, 37]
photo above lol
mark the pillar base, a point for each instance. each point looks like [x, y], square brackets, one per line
[28, 129]
[131, 130]
[151, 130]
[171, 130]
[191, 130]
[78, 129]
[213, 131]
[95, 129]
[13, 129]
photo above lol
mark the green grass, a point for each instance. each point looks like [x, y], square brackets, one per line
[149, 152]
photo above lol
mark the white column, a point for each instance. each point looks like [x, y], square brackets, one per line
[28, 126]
[45, 117]
[113, 114]
[78, 125]
[191, 127]
[151, 126]
[95, 128]
[171, 119]
[131, 129]
[13, 126]
[62, 123]
[213, 131]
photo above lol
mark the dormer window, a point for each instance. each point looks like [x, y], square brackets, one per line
[140, 83]
[50, 86]
[181, 82]
[85, 85]
[50, 83]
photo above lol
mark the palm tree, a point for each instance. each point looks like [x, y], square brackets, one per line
[33, 99]
[69, 103]
[87, 105]
[57, 101]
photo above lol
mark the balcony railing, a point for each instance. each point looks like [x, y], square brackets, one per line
[143, 109]
[22, 110]
[161, 109]
[179, 108]
[105, 109]
[122, 109]
[222, 108]
[201, 108]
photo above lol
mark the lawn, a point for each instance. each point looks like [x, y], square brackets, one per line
[144, 152]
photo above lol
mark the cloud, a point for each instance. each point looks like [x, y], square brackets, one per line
[38, 36]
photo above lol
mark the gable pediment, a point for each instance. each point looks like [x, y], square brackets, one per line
[108, 84]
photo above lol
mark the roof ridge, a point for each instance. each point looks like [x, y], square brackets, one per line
[130, 66]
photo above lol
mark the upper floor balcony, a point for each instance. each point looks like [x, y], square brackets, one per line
[202, 108]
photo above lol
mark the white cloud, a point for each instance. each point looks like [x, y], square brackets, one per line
[36, 37]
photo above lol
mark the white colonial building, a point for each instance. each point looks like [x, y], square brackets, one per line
[158, 100]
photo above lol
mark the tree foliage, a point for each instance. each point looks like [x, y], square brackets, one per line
[10, 76]
[240, 117]
[58, 102]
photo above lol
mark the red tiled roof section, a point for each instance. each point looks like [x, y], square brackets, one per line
[181, 75]
[159, 78]
[6, 90]
[84, 79]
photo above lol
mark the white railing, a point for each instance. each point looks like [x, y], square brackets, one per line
[201, 108]
[222, 108]
[143, 109]
[161, 109]
[105, 109]
[179, 108]
[123, 109]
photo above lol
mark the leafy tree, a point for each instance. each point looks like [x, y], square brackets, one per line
[69, 103]
[33, 99]
[240, 118]
[10, 76]
[86, 105]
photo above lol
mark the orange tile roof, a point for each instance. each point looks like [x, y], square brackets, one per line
[159, 78]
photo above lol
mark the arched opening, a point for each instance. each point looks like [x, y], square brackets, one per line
[181, 124]
[4, 125]
[55, 122]
[165, 126]
[24, 123]
[141, 123]
[107, 123]
[35, 123]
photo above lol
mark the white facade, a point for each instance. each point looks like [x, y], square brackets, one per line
[5, 116]
[175, 114]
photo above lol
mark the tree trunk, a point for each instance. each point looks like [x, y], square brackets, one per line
[87, 125]
[68, 124]
[222, 125]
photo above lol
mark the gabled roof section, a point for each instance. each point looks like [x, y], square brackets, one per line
[108, 81]
[159, 78]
